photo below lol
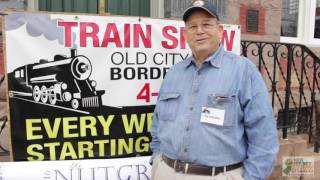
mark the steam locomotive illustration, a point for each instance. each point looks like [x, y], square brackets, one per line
[63, 81]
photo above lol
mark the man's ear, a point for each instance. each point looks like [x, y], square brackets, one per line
[220, 28]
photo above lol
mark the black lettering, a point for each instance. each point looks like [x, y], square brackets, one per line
[173, 57]
[155, 60]
[127, 60]
[184, 58]
[155, 73]
[113, 58]
[142, 71]
[106, 171]
[119, 172]
[115, 73]
[138, 58]
[128, 75]
[143, 172]
[165, 70]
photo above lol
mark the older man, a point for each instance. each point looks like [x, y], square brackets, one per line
[213, 118]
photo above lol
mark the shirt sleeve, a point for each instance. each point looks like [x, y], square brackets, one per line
[260, 127]
[155, 143]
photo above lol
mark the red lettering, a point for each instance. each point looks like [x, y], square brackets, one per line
[111, 28]
[67, 31]
[182, 39]
[84, 34]
[138, 32]
[225, 40]
[127, 35]
[144, 93]
[174, 40]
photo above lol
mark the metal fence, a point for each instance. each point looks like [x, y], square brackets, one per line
[291, 72]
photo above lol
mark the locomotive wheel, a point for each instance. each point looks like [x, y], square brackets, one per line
[52, 98]
[44, 94]
[36, 93]
[75, 103]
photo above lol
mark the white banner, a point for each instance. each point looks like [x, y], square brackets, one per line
[126, 53]
[98, 169]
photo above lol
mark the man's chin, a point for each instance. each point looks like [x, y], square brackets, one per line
[201, 50]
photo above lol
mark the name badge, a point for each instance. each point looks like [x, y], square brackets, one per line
[212, 116]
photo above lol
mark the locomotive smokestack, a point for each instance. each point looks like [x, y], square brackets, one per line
[73, 53]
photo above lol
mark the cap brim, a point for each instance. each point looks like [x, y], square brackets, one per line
[190, 10]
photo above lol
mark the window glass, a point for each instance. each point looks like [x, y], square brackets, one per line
[175, 9]
[13, 4]
[289, 19]
[317, 21]
[17, 74]
[128, 7]
[82, 6]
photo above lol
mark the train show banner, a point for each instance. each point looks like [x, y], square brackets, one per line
[84, 87]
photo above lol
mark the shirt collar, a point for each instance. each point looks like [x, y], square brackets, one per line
[215, 59]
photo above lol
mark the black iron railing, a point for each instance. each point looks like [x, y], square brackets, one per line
[291, 72]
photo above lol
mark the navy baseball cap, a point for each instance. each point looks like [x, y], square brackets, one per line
[200, 4]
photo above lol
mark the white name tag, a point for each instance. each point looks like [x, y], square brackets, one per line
[212, 116]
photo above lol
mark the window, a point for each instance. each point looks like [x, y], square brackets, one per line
[82, 6]
[289, 19]
[13, 4]
[252, 21]
[17, 74]
[22, 73]
[119, 7]
[293, 6]
[317, 21]
[129, 7]
[175, 9]
[303, 26]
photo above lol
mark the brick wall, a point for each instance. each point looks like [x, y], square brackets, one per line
[243, 19]
[269, 18]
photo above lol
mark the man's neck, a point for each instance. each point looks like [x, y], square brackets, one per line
[200, 57]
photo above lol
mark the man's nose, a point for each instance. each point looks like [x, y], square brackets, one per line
[199, 29]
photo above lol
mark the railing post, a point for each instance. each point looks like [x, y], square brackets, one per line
[312, 98]
[288, 93]
[301, 90]
[317, 119]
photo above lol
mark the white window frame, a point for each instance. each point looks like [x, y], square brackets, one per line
[311, 20]
[306, 23]
[33, 5]
[300, 33]
[157, 8]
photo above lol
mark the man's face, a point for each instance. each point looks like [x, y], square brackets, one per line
[202, 32]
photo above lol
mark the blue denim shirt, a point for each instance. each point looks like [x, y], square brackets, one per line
[248, 133]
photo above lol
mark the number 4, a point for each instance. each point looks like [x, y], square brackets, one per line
[144, 93]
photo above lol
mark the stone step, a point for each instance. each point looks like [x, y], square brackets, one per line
[295, 145]
[316, 157]
[292, 146]
[277, 171]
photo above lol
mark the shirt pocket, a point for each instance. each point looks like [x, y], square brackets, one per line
[226, 102]
[169, 103]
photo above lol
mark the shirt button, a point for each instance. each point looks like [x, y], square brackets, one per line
[185, 150]
[191, 108]
[187, 128]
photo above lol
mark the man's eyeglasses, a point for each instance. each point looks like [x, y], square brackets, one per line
[203, 25]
